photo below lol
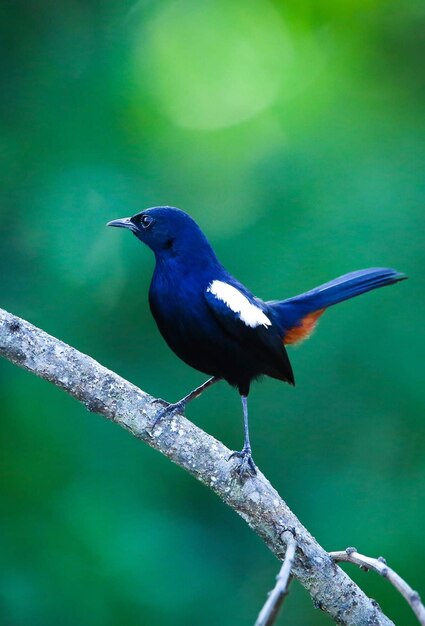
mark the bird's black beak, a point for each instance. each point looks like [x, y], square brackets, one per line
[124, 222]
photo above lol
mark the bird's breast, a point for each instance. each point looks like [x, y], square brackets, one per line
[179, 309]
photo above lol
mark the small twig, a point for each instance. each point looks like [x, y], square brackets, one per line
[275, 599]
[350, 555]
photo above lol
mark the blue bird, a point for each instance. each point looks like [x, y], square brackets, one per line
[215, 324]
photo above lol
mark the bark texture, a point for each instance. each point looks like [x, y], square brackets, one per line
[254, 499]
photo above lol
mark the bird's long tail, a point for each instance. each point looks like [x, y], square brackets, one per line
[298, 316]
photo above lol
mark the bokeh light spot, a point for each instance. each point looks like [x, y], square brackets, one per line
[211, 65]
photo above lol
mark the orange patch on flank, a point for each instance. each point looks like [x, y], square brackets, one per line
[301, 332]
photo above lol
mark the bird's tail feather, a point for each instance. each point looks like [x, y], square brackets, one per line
[291, 313]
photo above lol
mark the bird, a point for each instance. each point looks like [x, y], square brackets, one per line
[216, 325]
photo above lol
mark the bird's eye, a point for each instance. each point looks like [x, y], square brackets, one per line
[146, 221]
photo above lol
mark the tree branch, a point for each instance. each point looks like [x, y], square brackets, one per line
[270, 610]
[104, 392]
[350, 555]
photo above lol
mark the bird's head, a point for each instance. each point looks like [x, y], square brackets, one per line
[164, 229]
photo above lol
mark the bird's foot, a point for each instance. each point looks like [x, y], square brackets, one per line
[168, 411]
[246, 466]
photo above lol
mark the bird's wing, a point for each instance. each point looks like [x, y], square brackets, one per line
[246, 319]
[235, 306]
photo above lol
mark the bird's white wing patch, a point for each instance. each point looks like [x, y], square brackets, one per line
[248, 313]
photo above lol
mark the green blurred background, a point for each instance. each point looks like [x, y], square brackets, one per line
[294, 133]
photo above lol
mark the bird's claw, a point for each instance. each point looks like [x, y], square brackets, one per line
[246, 467]
[168, 411]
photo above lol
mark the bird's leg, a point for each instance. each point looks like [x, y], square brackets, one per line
[247, 466]
[179, 407]
[198, 391]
